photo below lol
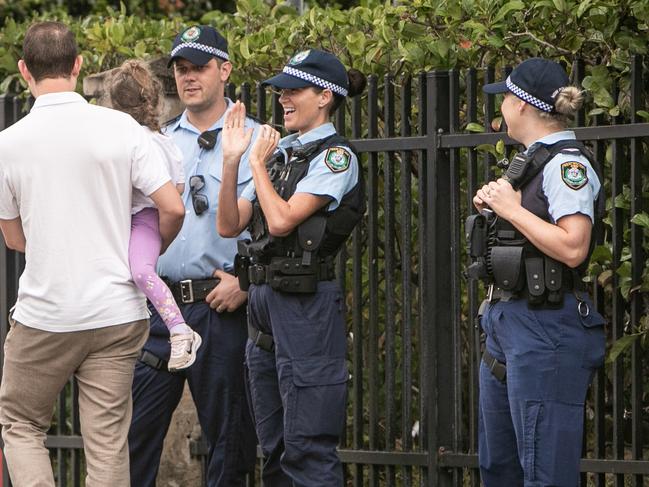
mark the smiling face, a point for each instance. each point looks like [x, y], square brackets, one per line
[305, 108]
[200, 87]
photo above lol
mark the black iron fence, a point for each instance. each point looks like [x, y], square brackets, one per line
[414, 349]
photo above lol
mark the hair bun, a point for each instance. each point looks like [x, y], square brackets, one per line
[357, 82]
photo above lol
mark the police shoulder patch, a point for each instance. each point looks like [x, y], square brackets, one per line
[337, 159]
[574, 174]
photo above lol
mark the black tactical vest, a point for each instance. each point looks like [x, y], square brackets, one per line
[323, 233]
[504, 256]
[534, 200]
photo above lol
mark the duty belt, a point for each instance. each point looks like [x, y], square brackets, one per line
[290, 275]
[191, 290]
[495, 293]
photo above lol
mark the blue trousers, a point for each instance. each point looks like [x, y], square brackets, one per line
[298, 391]
[217, 384]
[531, 426]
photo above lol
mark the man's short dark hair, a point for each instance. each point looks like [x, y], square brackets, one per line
[49, 50]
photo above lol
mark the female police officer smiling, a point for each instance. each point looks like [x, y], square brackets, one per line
[544, 340]
[306, 199]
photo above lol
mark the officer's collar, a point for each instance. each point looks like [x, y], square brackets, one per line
[320, 132]
[58, 98]
[184, 123]
[550, 139]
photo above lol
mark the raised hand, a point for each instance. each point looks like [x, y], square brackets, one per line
[235, 136]
[264, 146]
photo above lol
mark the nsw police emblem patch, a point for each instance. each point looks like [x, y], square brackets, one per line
[191, 34]
[573, 173]
[337, 159]
[299, 57]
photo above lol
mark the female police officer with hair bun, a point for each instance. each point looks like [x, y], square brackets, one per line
[306, 199]
[544, 339]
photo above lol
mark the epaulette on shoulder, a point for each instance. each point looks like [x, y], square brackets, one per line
[171, 121]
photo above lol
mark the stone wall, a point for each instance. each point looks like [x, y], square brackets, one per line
[177, 467]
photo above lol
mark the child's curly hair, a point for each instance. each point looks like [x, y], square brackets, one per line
[135, 90]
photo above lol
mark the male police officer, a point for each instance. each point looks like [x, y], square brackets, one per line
[197, 266]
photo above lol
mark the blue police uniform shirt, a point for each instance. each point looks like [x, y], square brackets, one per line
[320, 180]
[563, 200]
[199, 250]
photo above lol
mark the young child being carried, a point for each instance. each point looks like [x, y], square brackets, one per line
[135, 90]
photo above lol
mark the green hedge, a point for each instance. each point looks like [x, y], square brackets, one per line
[415, 35]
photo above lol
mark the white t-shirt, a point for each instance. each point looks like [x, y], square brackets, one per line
[68, 170]
[173, 159]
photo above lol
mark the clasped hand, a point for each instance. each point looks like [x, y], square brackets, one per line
[236, 138]
[499, 196]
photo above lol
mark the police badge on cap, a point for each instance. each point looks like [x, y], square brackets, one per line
[198, 44]
[299, 57]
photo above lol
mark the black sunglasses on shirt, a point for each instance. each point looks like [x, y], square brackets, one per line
[199, 201]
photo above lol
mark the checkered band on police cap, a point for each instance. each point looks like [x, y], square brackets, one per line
[527, 97]
[199, 44]
[313, 67]
[201, 47]
[322, 83]
[536, 81]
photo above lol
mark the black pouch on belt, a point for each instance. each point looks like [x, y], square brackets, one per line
[554, 281]
[507, 265]
[535, 274]
[241, 265]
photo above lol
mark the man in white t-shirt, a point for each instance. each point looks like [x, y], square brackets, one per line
[67, 171]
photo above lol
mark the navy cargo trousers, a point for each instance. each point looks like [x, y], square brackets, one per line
[531, 425]
[298, 390]
[217, 383]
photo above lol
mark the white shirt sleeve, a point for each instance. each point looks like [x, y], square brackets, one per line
[331, 174]
[571, 186]
[8, 206]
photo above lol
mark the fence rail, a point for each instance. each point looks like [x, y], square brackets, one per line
[414, 348]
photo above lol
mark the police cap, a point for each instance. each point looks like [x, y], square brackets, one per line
[535, 81]
[198, 44]
[313, 68]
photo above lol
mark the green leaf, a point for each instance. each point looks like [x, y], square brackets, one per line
[140, 49]
[620, 345]
[641, 219]
[560, 5]
[243, 47]
[487, 148]
[596, 111]
[474, 127]
[584, 5]
[500, 148]
[642, 113]
[507, 8]
[602, 254]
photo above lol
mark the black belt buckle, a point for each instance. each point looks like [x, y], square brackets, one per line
[186, 291]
